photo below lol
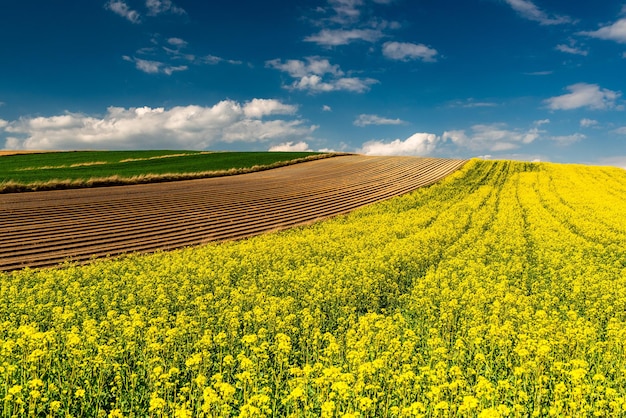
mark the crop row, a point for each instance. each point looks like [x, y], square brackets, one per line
[498, 292]
[45, 228]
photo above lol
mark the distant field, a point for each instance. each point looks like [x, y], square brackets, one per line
[44, 171]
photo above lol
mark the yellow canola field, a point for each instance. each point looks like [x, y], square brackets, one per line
[499, 292]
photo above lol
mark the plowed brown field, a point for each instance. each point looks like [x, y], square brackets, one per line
[46, 228]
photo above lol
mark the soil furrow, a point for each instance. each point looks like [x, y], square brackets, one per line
[45, 228]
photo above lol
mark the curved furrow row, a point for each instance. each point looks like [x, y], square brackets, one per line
[45, 228]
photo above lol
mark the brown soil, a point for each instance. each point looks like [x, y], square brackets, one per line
[46, 228]
[16, 152]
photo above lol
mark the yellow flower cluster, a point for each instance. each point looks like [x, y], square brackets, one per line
[499, 292]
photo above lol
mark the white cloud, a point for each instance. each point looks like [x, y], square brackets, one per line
[365, 120]
[317, 75]
[313, 65]
[472, 103]
[584, 95]
[335, 37]
[615, 32]
[3, 123]
[540, 73]
[257, 108]
[213, 60]
[405, 51]
[326, 108]
[346, 11]
[184, 127]
[156, 7]
[119, 7]
[571, 50]
[154, 67]
[291, 146]
[528, 10]
[587, 123]
[568, 139]
[177, 42]
[417, 144]
[494, 137]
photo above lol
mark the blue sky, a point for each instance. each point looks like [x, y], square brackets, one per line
[516, 79]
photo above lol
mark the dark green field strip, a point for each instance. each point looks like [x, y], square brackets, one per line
[84, 165]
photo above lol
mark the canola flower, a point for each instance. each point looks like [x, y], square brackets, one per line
[499, 292]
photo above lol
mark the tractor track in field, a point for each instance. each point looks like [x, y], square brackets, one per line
[40, 229]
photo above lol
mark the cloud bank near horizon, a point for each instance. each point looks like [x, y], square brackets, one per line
[265, 121]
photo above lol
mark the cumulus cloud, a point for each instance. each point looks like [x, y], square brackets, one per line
[317, 75]
[417, 144]
[614, 32]
[3, 123]
[291, 146]
[258, 108]
[405, 51]
[335, 37]
[327, 108]
[187, 127]
[365, 120]
[493, 137]
[312, 65]
[584, 95]
[528, 10]
[120, 8]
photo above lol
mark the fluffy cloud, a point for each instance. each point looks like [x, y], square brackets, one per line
[257, 108]
[584, 95]
[615, 32]
[530, 11]
[291, 146]
[405, 51]
[119, 7]
[417, 144]
[493, 137]
[317, 75]
[312, 65]
[188, 127]
[335, 37]
[365, 120]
